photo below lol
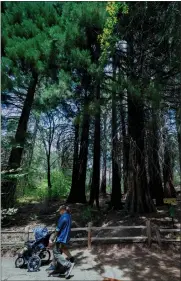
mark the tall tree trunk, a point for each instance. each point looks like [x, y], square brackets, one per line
[83, 158]
[155, 179]
[116, 186]
[75, 162]
[104, 152]
[169, 190]
[125, 147]
[104, 172]
[94, 192]
[138, 199]
[77, 193]
[9, 186]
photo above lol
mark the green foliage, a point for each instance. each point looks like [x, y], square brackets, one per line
[80, 57]
[38, 190]
[108, 188]
[25, 33]
[176, 179]
[52, 94]
[13, 174]
[60, 184]
[80, 25]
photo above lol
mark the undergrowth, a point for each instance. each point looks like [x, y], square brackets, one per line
[60, 188]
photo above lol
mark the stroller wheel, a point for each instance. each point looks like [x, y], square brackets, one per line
[45, 256]
[34, 263]
[20, 262]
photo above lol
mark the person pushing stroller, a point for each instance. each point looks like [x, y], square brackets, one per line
[59, 241]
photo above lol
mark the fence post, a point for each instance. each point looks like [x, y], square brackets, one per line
[158, 236]
[89, 235]
[26, 236]
[148, 230]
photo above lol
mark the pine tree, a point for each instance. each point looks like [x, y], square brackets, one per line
[26, 46]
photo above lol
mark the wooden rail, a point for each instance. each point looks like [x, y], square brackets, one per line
[31, 231]
[166, 230]
[169, 230]
[147, 238]
[85, 228]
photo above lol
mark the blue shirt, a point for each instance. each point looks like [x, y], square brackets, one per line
[63, 228]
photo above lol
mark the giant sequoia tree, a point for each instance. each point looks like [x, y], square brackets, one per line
[155, 180]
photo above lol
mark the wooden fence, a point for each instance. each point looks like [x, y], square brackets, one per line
[149, 230]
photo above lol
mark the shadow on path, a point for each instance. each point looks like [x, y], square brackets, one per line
[138, 263]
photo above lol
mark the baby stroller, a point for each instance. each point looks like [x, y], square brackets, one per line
[35, 252]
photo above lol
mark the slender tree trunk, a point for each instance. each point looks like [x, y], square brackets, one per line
[104, 164]
[104, 171]
[155, 179]
[94, 192]
[49, 177]
[9, 186]
[116, 187]
[77, 193]
[75, 162]
[125, 147]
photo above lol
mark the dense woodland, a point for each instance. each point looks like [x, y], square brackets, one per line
[91, 102]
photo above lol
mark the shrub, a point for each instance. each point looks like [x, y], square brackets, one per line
[7, 214]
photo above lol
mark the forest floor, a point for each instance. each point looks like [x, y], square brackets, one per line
[35, 213]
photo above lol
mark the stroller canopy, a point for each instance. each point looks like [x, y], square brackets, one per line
[40, 232]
